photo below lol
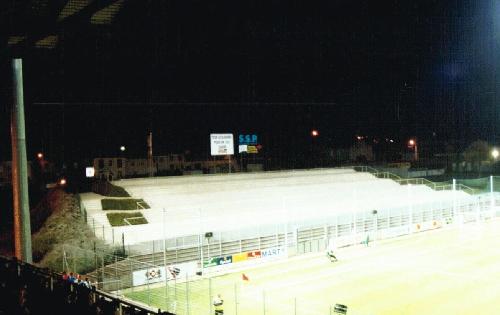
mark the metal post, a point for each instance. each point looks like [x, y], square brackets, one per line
[22, 225]
[187, 294]
[264, 301]
[235, 299]
[454, 199]
[220, 243]
[410, 213]
[492, 201]
[210, 294]
[165, 256]
[295, 305]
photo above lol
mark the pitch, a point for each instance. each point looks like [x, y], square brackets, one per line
[446, 271]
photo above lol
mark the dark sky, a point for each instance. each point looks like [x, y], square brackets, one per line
[184, 69]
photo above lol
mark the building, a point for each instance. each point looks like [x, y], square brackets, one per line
[114, 168]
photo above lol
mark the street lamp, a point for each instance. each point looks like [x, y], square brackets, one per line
[412, 143]
[122, 148]
[39, 155]
[314, 135]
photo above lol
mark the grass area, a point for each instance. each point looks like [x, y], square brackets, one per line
[107, 189]
[133, 218]
[124, 204]
[430, 273]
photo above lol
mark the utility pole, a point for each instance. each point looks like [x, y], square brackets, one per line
[22, 225]
[150, 155]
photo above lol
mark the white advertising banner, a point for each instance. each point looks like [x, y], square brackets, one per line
[221, 144]
[242, 148]
[89, 171]
[158, 274]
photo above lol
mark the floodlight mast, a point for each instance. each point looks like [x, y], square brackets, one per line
[22, 225]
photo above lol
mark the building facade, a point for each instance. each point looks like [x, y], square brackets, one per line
[114, 168]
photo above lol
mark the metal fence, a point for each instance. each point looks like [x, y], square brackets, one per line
[193, 294]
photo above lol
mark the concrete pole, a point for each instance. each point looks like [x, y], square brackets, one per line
[22, 225]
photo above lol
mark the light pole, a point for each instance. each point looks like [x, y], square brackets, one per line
[412, 143]
[314, 135]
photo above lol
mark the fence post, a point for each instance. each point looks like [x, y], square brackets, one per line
[295, 305]
[235, 298]
[102, 271]
[491, 196]
[187, 294]
[210, 294]
[264, 301]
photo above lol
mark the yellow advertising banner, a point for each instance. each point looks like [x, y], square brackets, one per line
[252, 149]
[240, 257]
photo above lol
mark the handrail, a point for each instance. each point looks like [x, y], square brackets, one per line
[414, 181]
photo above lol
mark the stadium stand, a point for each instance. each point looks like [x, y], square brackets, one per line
[302, 210]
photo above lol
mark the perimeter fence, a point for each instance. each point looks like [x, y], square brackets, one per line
[179, 275]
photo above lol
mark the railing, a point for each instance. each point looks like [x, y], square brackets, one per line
[36, 284]
[412, 181]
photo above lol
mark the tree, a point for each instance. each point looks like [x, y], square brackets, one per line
[477, 152]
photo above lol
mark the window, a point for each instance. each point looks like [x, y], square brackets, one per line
[110, 163]
[120, 163]
[179, 158]
[101, 163]
[171, 158]
[171, 167]
[161, 160]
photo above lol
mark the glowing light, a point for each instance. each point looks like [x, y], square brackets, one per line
[314, 133]
[411, 142]
[122, 148]
[495, 153]
[39, 155]
[62, 181]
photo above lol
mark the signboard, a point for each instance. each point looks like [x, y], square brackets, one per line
[252, 149]
[221, 144]
[158, 274]
[217, 261]
[248, 139]
[89, 171]
[242, 148]
[273, 252]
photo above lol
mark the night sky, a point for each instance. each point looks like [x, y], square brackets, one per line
[185, 69]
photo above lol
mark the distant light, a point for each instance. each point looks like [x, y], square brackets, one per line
[495, 153]
[89, 171]
[391, 141]
[62, 181]
[122, 148]
[39, 155]
[411, 142]
[314, 133]
[359, 137]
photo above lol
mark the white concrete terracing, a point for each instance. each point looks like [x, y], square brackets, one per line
[224, 202]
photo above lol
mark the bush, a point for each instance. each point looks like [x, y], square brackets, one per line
[107, 189]
[118, 218]
[65, 231]
[123, 204]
